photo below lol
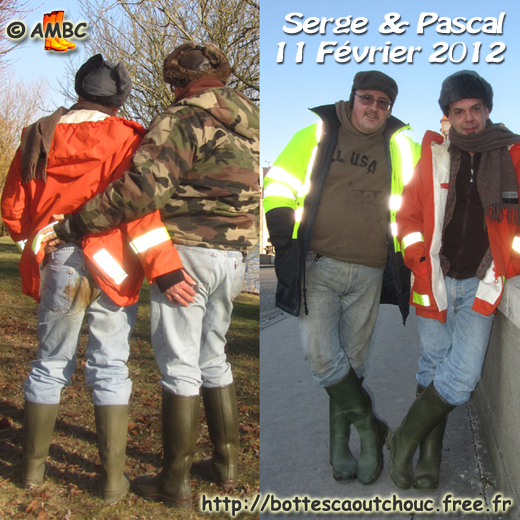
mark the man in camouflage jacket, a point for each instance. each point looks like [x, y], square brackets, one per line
[198, 164]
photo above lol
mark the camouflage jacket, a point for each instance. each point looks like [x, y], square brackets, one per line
[198, 164]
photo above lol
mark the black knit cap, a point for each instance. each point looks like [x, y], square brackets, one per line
[191, 61]
[374, 80]
[103, 82]
[465, 84]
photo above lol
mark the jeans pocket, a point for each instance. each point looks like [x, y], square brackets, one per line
[56, 287]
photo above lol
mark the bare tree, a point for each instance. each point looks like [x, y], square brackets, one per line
[143, 32]
[9, 10]
[22, 103]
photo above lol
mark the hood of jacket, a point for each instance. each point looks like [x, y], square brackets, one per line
[231, 108]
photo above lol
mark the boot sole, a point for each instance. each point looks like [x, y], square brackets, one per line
[390, 447]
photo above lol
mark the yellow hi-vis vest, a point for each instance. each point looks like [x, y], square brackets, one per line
[289, 179]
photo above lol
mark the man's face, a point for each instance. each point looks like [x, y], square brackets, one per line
[468, 116]
[369, 119]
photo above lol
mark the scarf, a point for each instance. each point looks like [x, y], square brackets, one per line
[195, 87]
[37, 139]
[496, 181]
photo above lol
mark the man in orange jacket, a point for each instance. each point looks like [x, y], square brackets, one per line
[64, 160]
[459, 223]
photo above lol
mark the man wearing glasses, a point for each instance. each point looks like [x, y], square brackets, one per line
[331, 198]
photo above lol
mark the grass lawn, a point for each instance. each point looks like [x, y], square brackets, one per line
[72, 486]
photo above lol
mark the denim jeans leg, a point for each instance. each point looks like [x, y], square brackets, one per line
[64, 295]
[106, 371]
[215, 369]
[343, 302]
[189, 342]
[435, 339]
[460, 371]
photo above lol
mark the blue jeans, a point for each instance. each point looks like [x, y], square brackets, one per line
[343, 303]
[189, 342]
[452, 353]
[67, 293]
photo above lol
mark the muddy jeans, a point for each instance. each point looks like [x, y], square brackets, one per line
[67, 294]
[343, 303]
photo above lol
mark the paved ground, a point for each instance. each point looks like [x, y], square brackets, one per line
[294, 419]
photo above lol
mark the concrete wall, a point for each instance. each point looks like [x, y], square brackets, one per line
[498, 394]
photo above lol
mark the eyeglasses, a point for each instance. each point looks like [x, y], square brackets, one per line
[368, 101]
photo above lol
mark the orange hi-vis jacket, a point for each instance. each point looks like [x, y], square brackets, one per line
[420, 221]
[89, 150]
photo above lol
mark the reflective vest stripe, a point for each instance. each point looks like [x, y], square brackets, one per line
[149, 239]
[411, 239]
[110, 266]
[395, 202]
[21, 244]
[393, 228]
[280, 175]
[516, 244]
[42, 234]
[421, 299]
[278, 190]
[407, 163]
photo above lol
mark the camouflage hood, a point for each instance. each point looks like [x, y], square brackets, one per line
[232, 109]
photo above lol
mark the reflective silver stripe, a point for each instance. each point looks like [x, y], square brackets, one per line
[406, 157]
[110, 266]
[21, 244]
[412, 238]
[280, 175]
[149, 239]
[319, 130]
[421, 299]
[393, 227]
[42, 234]
[395, 202]
[516, 244]
[298, 215]
[276, 189]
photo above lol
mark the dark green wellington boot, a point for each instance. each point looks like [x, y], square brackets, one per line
[344, 465]
[353, 399]
[427, 471]
[38, 426]
[426, 412]
[111, 429]
[180, 417]
[220, 405]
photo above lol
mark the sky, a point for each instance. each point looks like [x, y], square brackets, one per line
[288, 89]
[30, 61]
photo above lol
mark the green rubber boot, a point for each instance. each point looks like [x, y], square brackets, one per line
[344, 465]
[353, 399]
[38, 426]
[111, 429]
[426, 412]
[220, 405]
[180, 416]
[427, 471]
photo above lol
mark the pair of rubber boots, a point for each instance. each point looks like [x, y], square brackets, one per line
[351, 404]
[180, 416]
[423, 426]
[111, 427]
